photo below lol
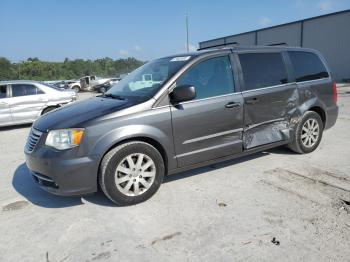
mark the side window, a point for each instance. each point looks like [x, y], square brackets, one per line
[212, 77]
[3, 92]
[263, 70]
[25, 90]
[307, 66]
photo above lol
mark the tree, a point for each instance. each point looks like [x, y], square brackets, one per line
[7, 70]
[34, 69]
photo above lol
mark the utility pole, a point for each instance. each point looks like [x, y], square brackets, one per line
[187, 45]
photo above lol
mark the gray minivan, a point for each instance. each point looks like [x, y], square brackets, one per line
[181, 112]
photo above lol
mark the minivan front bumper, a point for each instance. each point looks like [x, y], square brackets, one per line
[57, 174]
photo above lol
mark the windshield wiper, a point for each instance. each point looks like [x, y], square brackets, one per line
[113, 96]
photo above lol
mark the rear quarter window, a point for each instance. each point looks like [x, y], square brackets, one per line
[307, 66]
[263, 70]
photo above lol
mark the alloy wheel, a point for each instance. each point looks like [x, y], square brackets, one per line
[310, 133]
[135, 174]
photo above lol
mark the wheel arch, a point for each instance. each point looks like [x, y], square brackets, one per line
[49, 106]
[319, 110]
[146, 139]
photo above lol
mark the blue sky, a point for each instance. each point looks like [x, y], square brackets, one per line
[90, 29]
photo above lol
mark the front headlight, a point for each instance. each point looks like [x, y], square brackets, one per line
[64, 138]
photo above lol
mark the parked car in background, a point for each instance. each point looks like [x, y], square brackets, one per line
[74, 85]
[24, 101]
[63, 84]
[102, 88]
[181, 112]
[60, 84]
[87, 83]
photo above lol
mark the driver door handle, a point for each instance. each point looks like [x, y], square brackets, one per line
[232, 104]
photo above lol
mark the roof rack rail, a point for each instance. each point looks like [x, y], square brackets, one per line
[226, 45]
[277, 44]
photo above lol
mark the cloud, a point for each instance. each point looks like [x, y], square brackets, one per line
[264, 21]
[137, 48]
[325, 6]
[123, 52]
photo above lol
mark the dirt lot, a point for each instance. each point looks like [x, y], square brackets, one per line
[271, 206]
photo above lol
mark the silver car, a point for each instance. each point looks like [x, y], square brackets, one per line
[24, 101]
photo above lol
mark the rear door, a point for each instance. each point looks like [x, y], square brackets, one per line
[5, 113]
[27, 102]
[210, 126]
[270, 98]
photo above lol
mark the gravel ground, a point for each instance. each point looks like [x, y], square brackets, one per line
[273, 205]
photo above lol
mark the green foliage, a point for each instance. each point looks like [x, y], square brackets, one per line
[34, 69]
[7, 70]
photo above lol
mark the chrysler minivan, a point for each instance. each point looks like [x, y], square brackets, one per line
[181, 112]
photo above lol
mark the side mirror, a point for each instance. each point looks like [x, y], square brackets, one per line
[183, 93]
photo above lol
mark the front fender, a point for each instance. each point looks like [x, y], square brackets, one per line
[103, 144]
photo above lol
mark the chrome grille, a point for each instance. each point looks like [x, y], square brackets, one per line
[32, 140]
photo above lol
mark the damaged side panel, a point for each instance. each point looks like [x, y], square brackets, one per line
[273, 116]
[265, 134]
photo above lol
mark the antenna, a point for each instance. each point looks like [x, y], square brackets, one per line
[187, 45]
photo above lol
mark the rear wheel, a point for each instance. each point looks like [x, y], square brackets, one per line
[76, 89]
[308, 133]
[131, 173]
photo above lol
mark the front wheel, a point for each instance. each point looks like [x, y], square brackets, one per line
[308, 133]
[131, 173]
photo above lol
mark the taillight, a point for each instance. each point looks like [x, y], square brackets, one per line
[335, 93]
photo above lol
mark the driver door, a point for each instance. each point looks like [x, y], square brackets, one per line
[210, 126]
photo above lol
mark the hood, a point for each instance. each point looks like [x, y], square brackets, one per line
[78, 113]
[68, 93]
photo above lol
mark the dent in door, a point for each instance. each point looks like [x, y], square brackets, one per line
[277, 129]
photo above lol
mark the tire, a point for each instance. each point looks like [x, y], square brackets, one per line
[301, 142]
[76, 89]
[48, 109]
[102, 90]
[124, 192]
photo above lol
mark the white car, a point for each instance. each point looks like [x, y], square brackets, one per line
[23, 102]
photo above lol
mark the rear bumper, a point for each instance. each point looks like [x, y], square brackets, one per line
[62, 176]
[331, 116]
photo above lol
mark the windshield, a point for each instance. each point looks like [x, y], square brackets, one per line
[145, 81]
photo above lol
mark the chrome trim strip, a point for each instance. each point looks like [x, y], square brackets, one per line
[268, 87]
[308, 81]
[275, 86]
[42, 178]
[159, 107]
[36, 132]
[264, 123]
[212, 136]
[208, 98]
[208, 148]
[198, 100]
